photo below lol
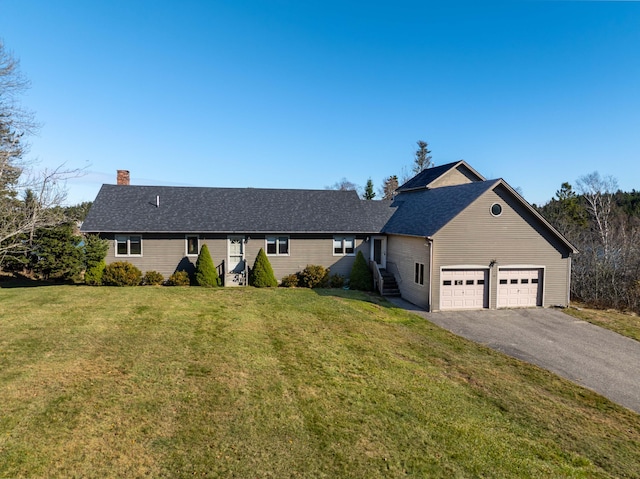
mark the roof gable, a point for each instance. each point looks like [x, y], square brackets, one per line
[423, 212]
[450, 174]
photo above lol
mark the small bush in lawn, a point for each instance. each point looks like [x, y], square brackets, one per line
[206, 272]
[121, 273]
[336, 281]
[179, 278]
[290, 281]
[152, 278]
[93, 275]
[262, 273]
[314, 276]
[361, 277]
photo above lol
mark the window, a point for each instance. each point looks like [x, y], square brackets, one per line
[193, 246]
[419, 274]
[458, 282]
[496, 209]
[344, 246]
[480, 281]
[503, 281]
[446, 282]
[128, 245]
[524, 281]
[514, 281]
[469, 282]
[278, 245]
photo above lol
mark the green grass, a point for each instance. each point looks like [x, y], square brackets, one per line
[627, 324]
[279, 383]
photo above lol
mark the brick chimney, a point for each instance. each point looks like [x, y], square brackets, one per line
[123, 177]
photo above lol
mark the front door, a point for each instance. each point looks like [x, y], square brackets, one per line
[379, 251]
[236, 254]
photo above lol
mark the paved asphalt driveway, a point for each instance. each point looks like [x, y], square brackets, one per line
[596, 358]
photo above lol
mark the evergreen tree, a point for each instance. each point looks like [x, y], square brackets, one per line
[369, 194]
[422, 159]
[206, 272]
[95, 250]
[262, 273]
[57, 253]
[361, 277]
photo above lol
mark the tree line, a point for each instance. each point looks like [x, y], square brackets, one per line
[603, 223]
[422, 160]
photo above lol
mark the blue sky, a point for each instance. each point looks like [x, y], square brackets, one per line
[291, 94]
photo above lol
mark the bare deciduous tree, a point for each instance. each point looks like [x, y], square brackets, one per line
[389, 187]
[41, 189]
[598, 194]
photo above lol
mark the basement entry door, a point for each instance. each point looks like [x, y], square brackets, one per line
[464, 289]
[519, 288]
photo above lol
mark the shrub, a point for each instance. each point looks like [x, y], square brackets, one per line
[290, 281]
[262, 273]
[121, 273]
[206, 272]
[95, 250]
[314, 276]
[152, 278]
[179, 278]
[93, 275]
[336, 281]
[361, 277]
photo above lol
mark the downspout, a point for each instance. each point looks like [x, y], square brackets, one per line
[569, 281]
[430, 294]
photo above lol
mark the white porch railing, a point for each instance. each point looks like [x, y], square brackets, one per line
[378, 280]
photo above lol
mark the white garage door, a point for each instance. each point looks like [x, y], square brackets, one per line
[464, 289]
[518, 288]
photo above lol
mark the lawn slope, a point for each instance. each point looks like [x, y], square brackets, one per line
[243, 382]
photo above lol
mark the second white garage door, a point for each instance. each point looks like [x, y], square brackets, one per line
[464, 289]
[518, 288]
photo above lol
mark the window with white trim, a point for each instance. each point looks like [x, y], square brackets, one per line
[344, 246]
[193, 245]
[277, 245]
[419, 274]
[128, 245]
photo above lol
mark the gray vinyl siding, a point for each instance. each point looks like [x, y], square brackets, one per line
[304, 251]
[402, 254]
[454, 177]
[515, 238]
[166, 253]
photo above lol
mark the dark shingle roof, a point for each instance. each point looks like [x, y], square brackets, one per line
[425, 177]
[423, 212]
[428, 176]
[230, 210]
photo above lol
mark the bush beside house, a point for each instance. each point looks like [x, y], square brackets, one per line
[262, 273]
[152, 278]
[93, 274]
[121, 273]
[179, 278]
[314, 276]
[361, 277]
[206, 272]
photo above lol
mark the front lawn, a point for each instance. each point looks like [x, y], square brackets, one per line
[252, 383]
